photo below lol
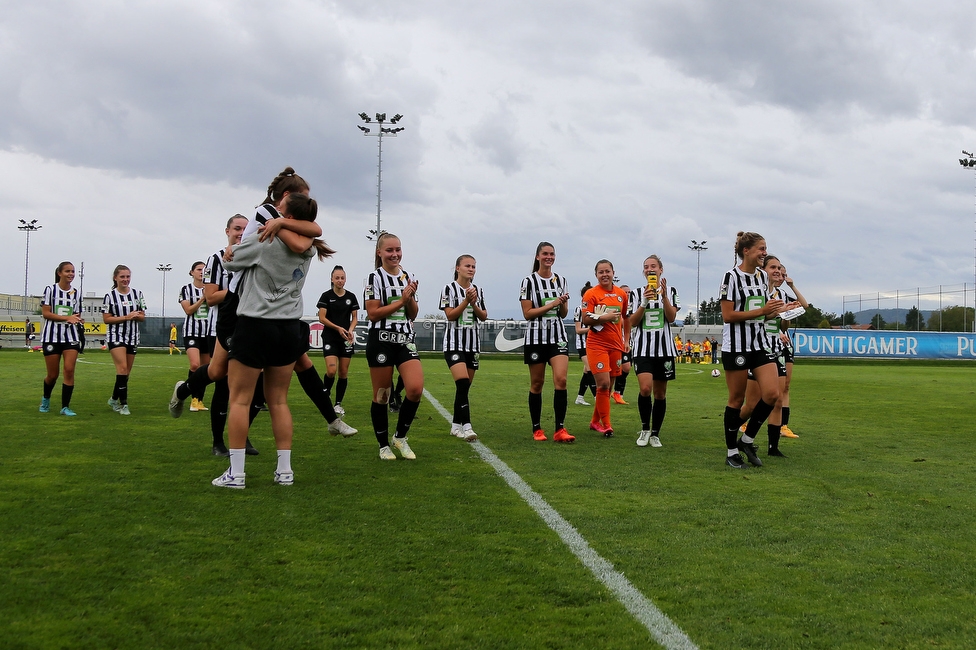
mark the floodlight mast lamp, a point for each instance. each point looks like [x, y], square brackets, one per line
[969, 162]
[28, 227]
[381, 132]
[165, 268]
[698, 247]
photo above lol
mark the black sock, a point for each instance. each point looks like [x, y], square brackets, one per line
[315, 389]
[584, 384]
[620, 384]
[66, 391]
[115, 389]
[48, 389]
[732, 424]
[535, 410]
[773, 431]
[123, 382]
[197, 391]
[559, 401]
[657, 419]
[786, 416]
[408, 410]
[340, 386]
[218, 410]
[759, 415]
[257, 400]
[380, 417]
[327, 382]
[399, 386]
[197, 381]
[592, 384]
[644, 405]
[462, 410]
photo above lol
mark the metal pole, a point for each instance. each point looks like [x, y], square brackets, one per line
[379, 178]
[26, 268]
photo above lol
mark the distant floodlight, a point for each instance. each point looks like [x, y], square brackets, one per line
[362, 128]
[382, 131]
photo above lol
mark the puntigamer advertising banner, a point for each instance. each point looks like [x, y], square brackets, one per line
[882, 344]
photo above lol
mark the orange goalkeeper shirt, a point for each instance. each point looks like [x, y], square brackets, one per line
[606, 335]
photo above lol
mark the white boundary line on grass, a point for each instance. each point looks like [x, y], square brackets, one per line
[657, 623]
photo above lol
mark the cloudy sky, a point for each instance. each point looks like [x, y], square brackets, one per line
[132, 131]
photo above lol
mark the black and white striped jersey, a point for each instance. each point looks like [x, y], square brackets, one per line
[547, 329]
[196, 325]
[652, 336]
[62, 303]
[388, 288]
[215, 273]
[123, 304]
[580, 338]
[773, 326]
[746, 292]
[463, 334]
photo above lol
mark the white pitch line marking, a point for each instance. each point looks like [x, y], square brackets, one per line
[657, 623]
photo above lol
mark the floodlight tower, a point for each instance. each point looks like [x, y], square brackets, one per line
[381, 132]
[28, 228]
[698, 247]
[165, 268]
[969, 162]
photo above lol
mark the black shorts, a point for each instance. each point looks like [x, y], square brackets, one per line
[201, 343]
[626, 357]
[469, 359]
[265, 343]
[386, 349]
[336, 347]
[660, 368]
[57, 348]
[172, 341]
[788, 355]
[227, 319]
[581, 352]
[533, 354]
[129, 349]
[747, 360]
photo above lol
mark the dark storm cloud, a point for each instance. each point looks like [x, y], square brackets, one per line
[887, 59]
[204, 92]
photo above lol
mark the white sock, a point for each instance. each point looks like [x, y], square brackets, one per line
[284, 461]
[746, 439]
[236, 462]
[731, 452]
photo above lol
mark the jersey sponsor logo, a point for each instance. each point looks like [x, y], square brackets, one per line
[503, 344]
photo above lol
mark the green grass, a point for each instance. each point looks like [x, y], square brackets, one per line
[111, 535]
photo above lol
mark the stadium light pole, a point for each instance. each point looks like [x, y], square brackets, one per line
[969, 162]
[381, 132]
[165, 268]
[28, 228]
[698, 247]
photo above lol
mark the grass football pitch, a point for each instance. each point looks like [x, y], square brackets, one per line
[111, 535]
